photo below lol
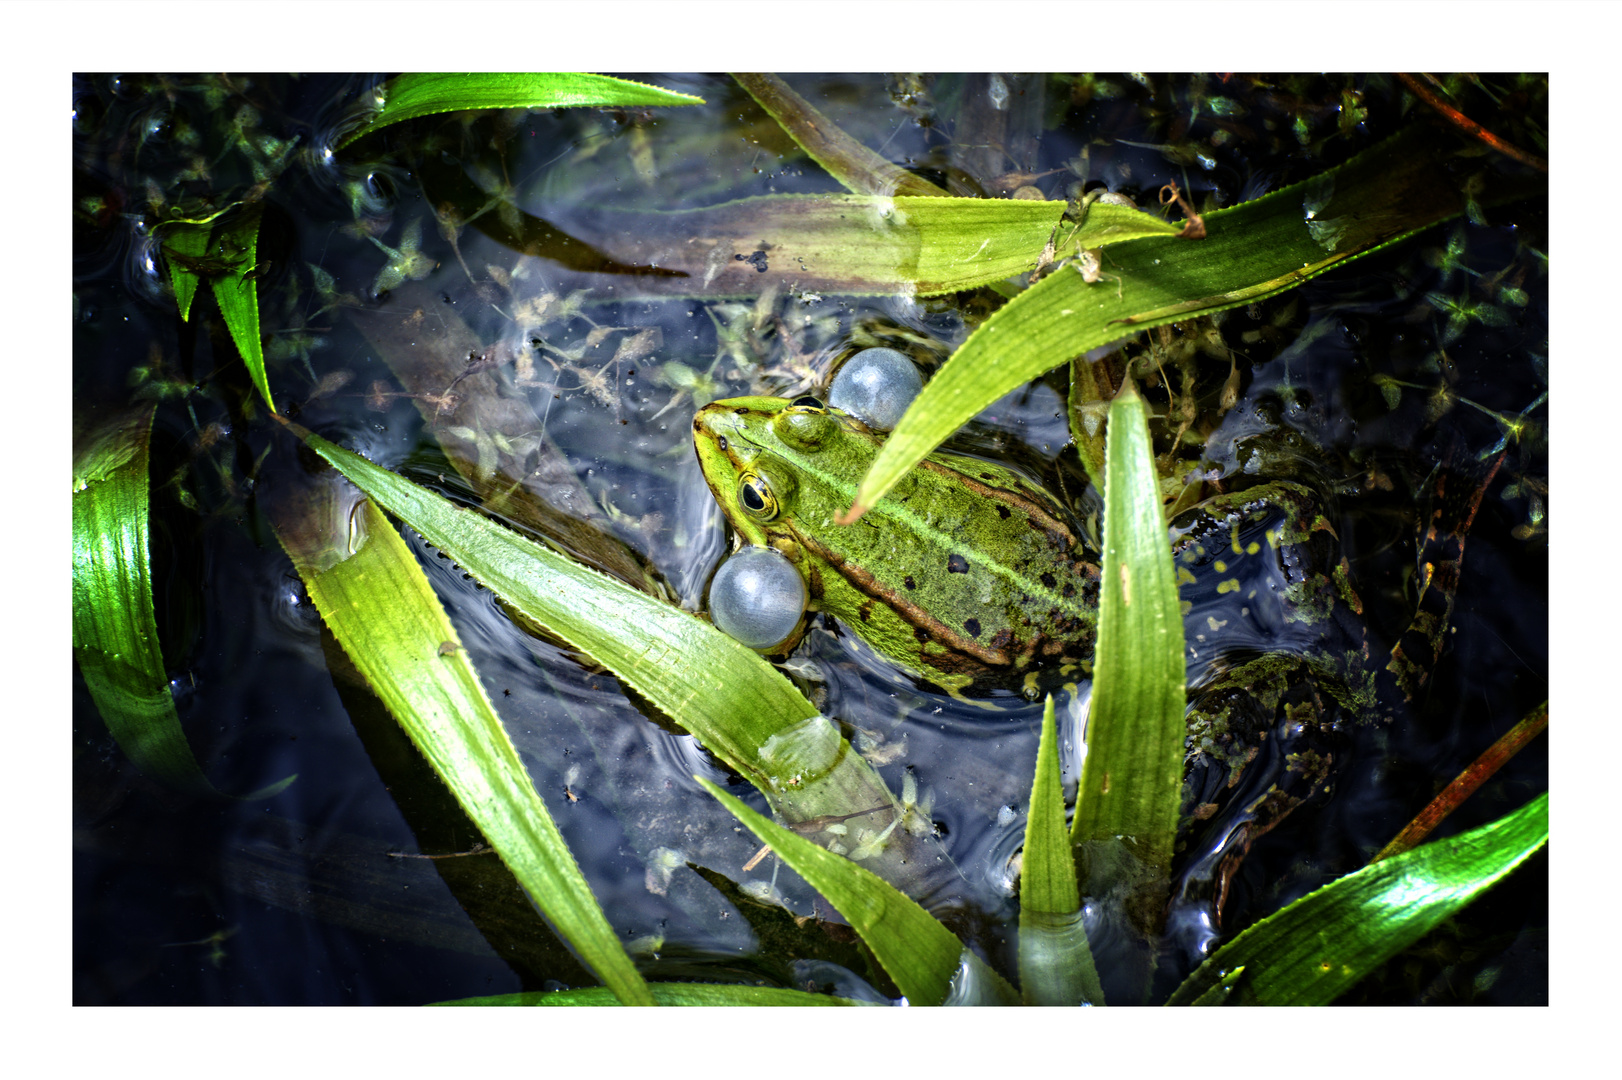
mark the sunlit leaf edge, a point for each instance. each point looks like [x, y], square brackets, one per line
[1341, 932]
[665, 993]
[414, 94]
[380, 607]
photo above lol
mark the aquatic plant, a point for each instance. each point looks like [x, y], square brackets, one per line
[1068, 276]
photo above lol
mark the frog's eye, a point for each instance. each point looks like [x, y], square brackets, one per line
[756, 497]
[804, 423]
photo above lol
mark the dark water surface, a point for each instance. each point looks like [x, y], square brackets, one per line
[1363, 384]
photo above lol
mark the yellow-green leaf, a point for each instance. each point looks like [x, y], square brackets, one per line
[382, 610]
[187, 241]
[1055, 962]
[735, 703]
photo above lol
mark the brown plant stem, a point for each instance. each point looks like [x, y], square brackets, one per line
[1469, 126]
[1465, 784]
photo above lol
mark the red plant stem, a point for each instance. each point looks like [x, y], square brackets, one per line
[1469, 126]
[1465, 784]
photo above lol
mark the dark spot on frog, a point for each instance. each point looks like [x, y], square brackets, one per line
[866, 610]
[1049, 580]
[1068, 590]
[908, 582]
[957, 564]
[920, 633]
[1003, 512]
[973, 627]
[757, 260]
[1002, 639]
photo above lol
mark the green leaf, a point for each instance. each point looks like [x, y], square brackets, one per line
[115, 632]
[856, 245]
[847, 160]
[1251, 251]
[737, 705]
[382, 610]
[406, 97]
[1131, 779]
[1318, 947]
[188, 241]
[239, 298]
[1055, 962]
[666, 994]
[917, 952]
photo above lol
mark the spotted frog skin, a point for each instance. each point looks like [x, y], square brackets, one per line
[965, 570]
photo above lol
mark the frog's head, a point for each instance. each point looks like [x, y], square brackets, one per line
[757, 451]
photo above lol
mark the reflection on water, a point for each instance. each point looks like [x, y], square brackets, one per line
[485, 308]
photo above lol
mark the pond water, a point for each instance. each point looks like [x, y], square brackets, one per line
[388, 265]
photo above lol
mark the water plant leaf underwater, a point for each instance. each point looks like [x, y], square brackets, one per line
[412, 659]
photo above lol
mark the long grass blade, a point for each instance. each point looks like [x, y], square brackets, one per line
[1318, 947]
[409, 96]
[379, 605]
[115, 630]
[846, 160]
[1131, 779]
[1465, 784]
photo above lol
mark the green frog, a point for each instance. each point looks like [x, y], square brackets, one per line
[966, 571]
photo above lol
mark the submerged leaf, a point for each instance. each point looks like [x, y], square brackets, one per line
[1318, 947]
[852, 245]
[379, 605]
[409, 96]
[847, 160]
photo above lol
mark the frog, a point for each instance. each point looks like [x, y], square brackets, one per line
[968, 573]
[970, 570]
